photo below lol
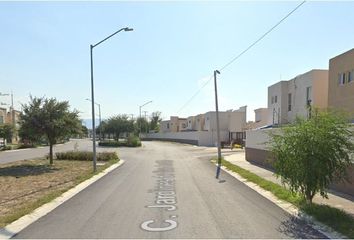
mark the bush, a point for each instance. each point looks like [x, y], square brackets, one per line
[23, 146]
[133, 142]
[4, 148]
[130, 142]
[111, 144]
[86, 156]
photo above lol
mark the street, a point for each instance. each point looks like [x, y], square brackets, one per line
[30, 153]
[168, 190]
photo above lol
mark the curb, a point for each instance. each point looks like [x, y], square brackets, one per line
[15, 227]
[288, 207]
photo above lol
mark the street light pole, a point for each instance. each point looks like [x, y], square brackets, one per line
[93, 114]
[140, 115]
[99, 115]
[93, 94]
[217, 125]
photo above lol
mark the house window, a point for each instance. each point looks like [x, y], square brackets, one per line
[350, 76]
[308, 96]
[1, 120]
[289, 102]
[168, 125]
[207, 118]
[275, 99]
[272, 101]
[341, 78]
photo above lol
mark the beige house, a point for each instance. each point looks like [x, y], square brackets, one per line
[12, 117]
[3, 115]
[292, 98]
[261, 119]
[199, 122]
[191, 123]
[341, 82]
[175, 124]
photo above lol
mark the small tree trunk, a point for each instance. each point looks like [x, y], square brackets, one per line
[50, 153]
[309, 197]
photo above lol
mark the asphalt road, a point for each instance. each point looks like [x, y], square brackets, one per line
[30, 153]
[167, 190]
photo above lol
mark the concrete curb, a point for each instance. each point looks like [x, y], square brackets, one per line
[288, 207]
[15, 227]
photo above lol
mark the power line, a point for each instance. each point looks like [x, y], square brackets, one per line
[263, 36]
[196, 93]
[242, 53]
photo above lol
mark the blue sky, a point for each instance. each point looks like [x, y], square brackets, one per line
[174, 48]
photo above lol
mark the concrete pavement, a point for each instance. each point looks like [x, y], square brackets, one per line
[167, 190]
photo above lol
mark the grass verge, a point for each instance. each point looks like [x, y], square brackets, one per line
[333, 217]
[27, 185]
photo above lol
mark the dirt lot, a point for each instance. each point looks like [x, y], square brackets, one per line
[26, 185]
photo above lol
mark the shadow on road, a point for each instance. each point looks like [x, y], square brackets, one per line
[296, 228]
[26, 170]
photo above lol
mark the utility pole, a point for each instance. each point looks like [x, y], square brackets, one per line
[217, 125]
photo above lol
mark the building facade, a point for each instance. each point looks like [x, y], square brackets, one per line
[341, 82]
[294, 98]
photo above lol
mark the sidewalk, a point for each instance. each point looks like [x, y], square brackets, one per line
[345, 204]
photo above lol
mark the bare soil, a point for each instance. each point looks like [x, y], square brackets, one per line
[24, 183]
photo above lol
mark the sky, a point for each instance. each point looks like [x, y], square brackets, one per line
[173, 50]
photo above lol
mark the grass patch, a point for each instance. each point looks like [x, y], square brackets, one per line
[333, 217]
[38, 183]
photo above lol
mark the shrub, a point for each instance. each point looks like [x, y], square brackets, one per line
[4, 148]
[86, 156]
[130, 142]
[111, 144]
[311, 154]
[133, 141]
[23, 146]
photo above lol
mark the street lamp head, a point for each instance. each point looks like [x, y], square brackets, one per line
[217, 71]
[128, 29]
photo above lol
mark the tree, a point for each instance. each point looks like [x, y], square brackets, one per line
[119, 124]
[49, 119]
[84, 131]
[6, 131]
[141, 125]
[311, 154]
[155, 121]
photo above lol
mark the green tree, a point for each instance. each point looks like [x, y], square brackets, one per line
[84, 131]
[155, 120]
[119, 124]
[141, 125]
[49, 119]
[6, 131]
[311, 154]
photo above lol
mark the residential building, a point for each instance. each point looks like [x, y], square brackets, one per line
[12, 117]
[175, 124]
[233, 121]
[261, 119]
[341, 82]
[293, 98]
[3, 115]
[199, 122]
[191, 123]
